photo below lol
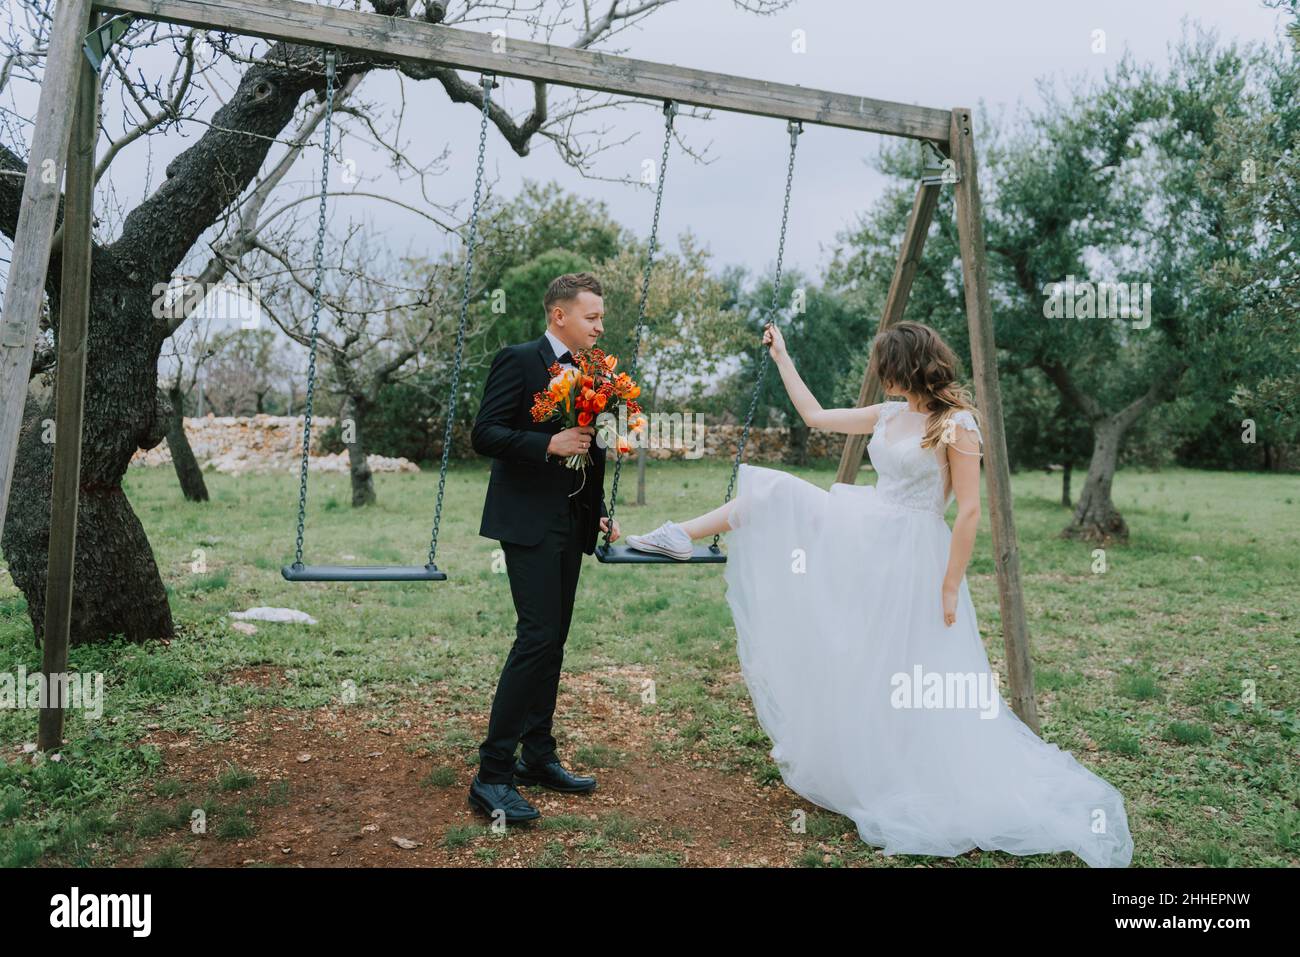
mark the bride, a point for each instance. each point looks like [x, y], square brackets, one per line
[858, 641]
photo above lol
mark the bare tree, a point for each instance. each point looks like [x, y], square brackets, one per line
[243, 370]
[384, 324]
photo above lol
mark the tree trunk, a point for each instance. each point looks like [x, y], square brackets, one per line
[363, 482]
[1065, 484]
[116, 588]
[642, 453]
[1095, 517]
[797, 444]
[641, 456]
[187, 467]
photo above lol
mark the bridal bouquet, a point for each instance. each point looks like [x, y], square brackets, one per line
[590, 393]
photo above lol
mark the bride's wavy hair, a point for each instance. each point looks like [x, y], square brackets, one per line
[912, 357]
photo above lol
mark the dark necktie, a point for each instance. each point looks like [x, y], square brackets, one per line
[567, 357]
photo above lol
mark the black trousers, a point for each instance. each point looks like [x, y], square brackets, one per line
[543, 583]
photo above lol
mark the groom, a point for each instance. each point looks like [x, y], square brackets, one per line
[545, 517]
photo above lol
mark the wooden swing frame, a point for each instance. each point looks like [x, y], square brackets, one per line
[64, 135]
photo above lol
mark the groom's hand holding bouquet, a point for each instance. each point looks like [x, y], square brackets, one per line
[589, 396]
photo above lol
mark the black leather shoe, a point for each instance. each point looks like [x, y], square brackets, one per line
[490, 798]
[552, 775]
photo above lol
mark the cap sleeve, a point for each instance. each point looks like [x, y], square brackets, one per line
[887, 410]
[962, 433]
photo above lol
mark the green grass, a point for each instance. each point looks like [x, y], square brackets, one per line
[1173, 673]
[460, 836]
[440, 777]
[235, 779]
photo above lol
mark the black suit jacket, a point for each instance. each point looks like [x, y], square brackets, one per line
[526, 487]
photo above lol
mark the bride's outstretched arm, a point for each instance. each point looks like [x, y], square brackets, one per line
[859, 421]
[964, 469]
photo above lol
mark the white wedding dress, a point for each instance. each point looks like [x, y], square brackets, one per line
[876, 709]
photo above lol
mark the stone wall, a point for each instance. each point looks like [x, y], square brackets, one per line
[273, 443]
[720, 441]
[261, 443]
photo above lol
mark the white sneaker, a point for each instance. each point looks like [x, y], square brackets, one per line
[668, 539]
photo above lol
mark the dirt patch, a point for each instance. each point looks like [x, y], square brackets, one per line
[258, 676]
[342, 786]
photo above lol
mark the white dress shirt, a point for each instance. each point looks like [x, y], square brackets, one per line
[560, 349]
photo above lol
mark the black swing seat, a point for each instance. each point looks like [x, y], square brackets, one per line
[363, 573]
[626, 555]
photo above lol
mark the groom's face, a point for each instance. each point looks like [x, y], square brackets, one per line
[580, 321]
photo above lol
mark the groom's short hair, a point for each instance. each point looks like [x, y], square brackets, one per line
[566, 288]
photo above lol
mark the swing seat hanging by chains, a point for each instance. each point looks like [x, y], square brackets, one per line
[429, 572]
[607, 553]
[711, 553]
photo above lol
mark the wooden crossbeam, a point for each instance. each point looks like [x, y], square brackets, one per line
[409, 40]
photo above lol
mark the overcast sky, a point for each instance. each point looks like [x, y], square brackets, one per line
[939, 53]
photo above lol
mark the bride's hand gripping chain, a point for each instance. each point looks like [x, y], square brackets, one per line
[854, 421]
[773, 339]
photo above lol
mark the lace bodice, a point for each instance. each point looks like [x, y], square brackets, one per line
[909, 475]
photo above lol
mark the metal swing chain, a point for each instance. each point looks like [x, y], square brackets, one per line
[670, 110]
[316, 301]
[487, 83]
[795, 129]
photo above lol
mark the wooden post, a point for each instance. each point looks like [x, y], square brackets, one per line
[69, 390]
[909, 256]
[40, 203]
[997, 473]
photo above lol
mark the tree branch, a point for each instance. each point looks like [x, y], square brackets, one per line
[1064, 382]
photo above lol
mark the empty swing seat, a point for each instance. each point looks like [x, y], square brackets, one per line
[363, 573]
[298, 571]
[625, 555]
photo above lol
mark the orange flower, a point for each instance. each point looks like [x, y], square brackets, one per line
[611, 362]
[561, 385]
[624, 446]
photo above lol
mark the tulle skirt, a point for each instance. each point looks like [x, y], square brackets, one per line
[876, 709]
